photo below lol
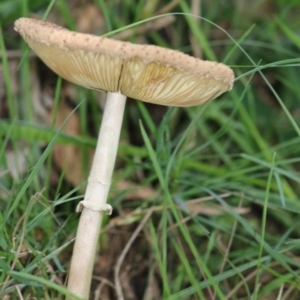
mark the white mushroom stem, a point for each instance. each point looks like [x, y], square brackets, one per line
[96, 196]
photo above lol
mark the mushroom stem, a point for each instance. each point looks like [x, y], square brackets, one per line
[95, 198]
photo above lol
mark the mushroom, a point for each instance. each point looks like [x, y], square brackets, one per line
[144, 72]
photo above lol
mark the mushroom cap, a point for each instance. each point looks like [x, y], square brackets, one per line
[145, 72]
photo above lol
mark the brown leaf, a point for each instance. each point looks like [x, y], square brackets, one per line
[69, 157]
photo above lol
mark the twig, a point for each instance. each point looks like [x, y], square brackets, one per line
[168, 7]
[142, 29]
[118, 287]
[196, 11]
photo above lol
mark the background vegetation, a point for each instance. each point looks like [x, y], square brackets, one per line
[215, 187]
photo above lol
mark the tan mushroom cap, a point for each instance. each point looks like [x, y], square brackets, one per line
[144, 72]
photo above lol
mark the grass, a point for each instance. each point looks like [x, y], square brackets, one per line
[220, 181]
